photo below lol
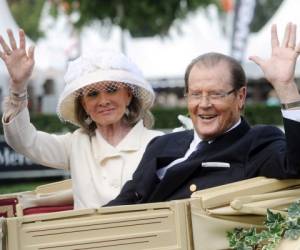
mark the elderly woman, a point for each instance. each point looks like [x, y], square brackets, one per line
[107, 97]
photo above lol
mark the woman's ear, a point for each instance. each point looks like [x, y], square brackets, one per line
[83, 104]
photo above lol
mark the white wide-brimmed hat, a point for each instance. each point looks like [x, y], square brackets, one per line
[100, 67]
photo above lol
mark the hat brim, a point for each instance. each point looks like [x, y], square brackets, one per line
[66, 103]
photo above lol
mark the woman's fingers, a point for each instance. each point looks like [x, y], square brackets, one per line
[22, 39]
[8, 50]
[31, 52]
[2, 55]
[297, 49]
[4, 46]
[12, 39]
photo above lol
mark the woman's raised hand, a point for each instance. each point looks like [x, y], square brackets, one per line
[279, 69]
[18, 61]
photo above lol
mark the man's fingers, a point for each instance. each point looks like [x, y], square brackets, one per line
[259, 61]
[292, 40]
[286, 38]
[274, 37]
[12, 39]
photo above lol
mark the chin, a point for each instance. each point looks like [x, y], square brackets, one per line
[208, 134]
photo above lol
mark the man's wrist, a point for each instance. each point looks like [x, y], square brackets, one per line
[290, 105]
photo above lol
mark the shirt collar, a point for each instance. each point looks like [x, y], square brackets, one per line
[197, 139]
[131, 142]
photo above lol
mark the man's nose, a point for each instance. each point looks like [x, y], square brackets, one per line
[204, 101]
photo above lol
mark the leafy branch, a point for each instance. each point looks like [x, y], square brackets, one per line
[277, 227]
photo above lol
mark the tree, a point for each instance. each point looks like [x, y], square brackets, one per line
[264, 10]
[27, 15]
[140, 18]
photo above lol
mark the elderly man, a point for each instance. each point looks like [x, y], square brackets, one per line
[223, 148]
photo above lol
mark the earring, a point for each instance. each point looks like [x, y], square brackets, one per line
[88, 120]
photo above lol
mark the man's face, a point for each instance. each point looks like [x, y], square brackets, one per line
[213, 105]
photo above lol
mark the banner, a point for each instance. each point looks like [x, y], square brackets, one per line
[243, 14]
[14, 165]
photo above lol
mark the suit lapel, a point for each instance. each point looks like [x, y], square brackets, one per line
[176, 148]
[177, 176]
[165, 154]
[182, 171]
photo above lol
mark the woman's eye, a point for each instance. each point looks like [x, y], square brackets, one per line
[111, 89]
[93, 93]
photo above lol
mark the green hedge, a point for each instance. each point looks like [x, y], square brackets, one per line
[262, 114]
[165, 118]
[254, 114]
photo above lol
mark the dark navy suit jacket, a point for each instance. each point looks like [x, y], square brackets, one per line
[249, 151]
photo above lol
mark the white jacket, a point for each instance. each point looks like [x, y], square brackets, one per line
[98, 169]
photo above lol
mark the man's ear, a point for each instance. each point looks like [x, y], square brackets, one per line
[242, 93]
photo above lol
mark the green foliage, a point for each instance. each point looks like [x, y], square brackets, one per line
[264, 10]
[293, 230]
[27, 15]
[262, 114]
[165, 118]
[51, 123]
[276, 228]
[140, 18]
[255, 114]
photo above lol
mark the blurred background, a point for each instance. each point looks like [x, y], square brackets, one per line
[161, 37]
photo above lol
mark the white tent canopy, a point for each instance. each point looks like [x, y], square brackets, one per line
[168, 57]
[259, 43]
[165, 57]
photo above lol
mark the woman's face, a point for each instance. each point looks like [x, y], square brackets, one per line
[106, 102]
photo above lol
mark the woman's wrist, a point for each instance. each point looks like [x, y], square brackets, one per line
[18, 87]
[18, 95]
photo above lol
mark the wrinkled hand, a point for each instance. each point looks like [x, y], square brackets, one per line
[279, 69]
[19, 63]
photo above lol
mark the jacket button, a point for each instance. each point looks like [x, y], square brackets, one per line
[193, 188]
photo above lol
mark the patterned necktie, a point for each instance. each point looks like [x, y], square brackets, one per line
[199, 149]
[197, 152]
